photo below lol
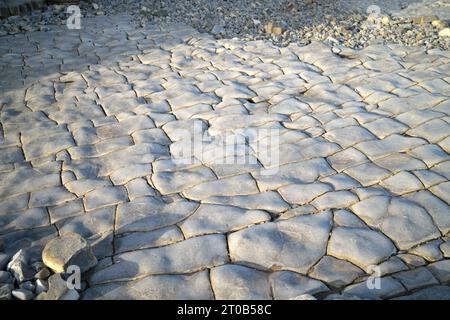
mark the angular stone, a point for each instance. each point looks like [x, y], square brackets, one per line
[203, 252]
[335, 272]
[384, 127]
[235, 282]
[20, 268]
[363, 247]
[210, 218]
[57, 287]
[157, 287]
[294, 244]
[69, 249]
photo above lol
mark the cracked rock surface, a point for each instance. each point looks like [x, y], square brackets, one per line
[94, 140]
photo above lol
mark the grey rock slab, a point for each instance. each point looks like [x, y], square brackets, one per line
[179, 181]
[406, 223]
[83, 186]
[269, 201]
[156, 287]
[429, 251]
[235, 282]
[139, 188]
[94, 222]
[336, 199]
[50, 197]
[203, 252]
[151, 213]
[431, 293]
[303, 193]
[442, 191]
[441, 270]
[69, 249]
[211, 218]
[388, 287]
[363, 247]
[348, 136]
[335, 272]
[105, 196]
[346, 158]
[392, 265]
[401, 183]
[417, 278]
[288, 285]
[344, 218]
[293, 244]
[445, 248]
[236, 185]
[27, 219]
[124, 175]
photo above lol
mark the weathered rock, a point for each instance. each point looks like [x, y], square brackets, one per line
[177, 287]
[235, 282]
[57, 287]
[20, 268]
[334, 272]
[288, 285]
[66, 250]
[293, 244]
[363, 247]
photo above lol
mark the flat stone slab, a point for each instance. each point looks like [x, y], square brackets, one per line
[198, 168]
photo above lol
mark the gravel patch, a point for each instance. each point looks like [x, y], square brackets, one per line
[350, 23]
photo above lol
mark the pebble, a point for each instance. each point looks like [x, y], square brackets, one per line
[41, 286]
[27, 285]
[282, 23]
[42, 274]
[23, 294]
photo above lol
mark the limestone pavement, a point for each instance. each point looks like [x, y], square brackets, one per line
[90, 125]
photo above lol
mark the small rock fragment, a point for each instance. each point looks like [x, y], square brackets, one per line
[22, 294]
[19, 267]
